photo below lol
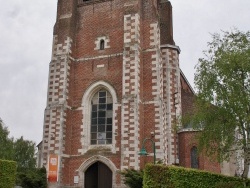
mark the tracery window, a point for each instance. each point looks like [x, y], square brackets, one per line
[194, 157]
[101, 118]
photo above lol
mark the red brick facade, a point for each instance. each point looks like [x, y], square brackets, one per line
[125, 47]
[186, 142]
[187, 136]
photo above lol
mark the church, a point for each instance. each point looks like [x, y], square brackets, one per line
[114, 83]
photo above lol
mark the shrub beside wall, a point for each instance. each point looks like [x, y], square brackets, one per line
[7, 174]
[159, 176]
[133, 178]
[32, 178]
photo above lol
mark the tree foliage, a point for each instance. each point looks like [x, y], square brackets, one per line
[222, 106]
[6, 143]
[32, 178]
[24, 154]
[20, 150]
[133, 178]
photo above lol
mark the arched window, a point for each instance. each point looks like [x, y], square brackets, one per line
[102, 43]
[101, 118]
[194, 157]
[99, 104]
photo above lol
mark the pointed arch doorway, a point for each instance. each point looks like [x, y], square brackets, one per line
[98, 175]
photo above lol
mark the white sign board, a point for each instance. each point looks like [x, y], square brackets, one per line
[76, 179]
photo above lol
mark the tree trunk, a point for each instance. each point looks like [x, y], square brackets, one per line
[246, 164]
[245, 171]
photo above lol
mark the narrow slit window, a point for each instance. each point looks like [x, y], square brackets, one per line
[194, 158]
[102, 44]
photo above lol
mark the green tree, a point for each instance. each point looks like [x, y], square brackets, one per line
[19, 150]
[6, 143]
[24, 154]
[222, 106]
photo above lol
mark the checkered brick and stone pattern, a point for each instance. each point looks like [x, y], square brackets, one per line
[131, 92]
[55, 116]
[157, 91]
[172, 94]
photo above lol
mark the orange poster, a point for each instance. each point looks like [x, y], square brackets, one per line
[53, 168]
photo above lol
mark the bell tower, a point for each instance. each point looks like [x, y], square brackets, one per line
[114, 79]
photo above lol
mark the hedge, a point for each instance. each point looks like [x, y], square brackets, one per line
[159, 176]
[32, 178]
[7, 173]
[132, 178]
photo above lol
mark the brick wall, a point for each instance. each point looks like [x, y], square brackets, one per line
[187, 136]
[187, 140]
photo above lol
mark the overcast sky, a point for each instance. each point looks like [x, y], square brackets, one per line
[26, 40]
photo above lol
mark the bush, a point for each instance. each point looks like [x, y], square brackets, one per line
[33, 178]
[158, 176]
[133, 178]
[232, 184]
[7, 174]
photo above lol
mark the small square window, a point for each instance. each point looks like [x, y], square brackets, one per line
[101, 121]
[93, 142]
[109, 106]
[102, 100]
[108, 135]
[101, 141]
[101, 136]
[93, 121]
[109, 128]
[102, 94]
[102, 106]
[94, 114]
[109, 120]
[93, 136]
[102, 114]
[109, 113]
[101, 128]
[93, 128]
